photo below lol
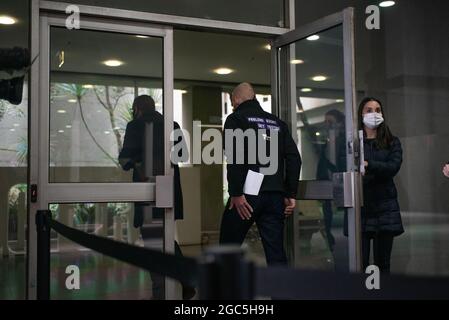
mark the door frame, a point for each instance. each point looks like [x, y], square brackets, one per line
[39, 137]
[286, 109]
[130, 17]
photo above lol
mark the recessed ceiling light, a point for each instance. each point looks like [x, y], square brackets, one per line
[319, 78]
[183, 91]
[317, 134]
[61, 131]
[62, 111]
[117, 128]
[223, 71]
[12, 130]
[88, 86]
[113, 63]
[314, 37]
[339, 100]
[7, 20]
[107, 132]
[15, 124]
[68, 126]
[386, 4]
[297, 61]
[142, 37]
[72, 100]
[306, 90]
[267, 47]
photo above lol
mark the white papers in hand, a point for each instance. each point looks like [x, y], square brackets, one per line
[253, 183]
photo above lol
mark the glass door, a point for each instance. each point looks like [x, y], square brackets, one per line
[84, 170]
[313, 79]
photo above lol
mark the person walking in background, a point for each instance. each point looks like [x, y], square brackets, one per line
[146, 164]
[381, 218]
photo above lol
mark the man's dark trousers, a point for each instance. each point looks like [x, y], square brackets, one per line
[268, 214]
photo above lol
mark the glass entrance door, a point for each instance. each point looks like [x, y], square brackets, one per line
[314, 93]
[93, 165]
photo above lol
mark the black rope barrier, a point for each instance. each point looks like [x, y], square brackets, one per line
[224, 272]
[183, 269]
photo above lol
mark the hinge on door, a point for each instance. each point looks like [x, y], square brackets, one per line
[33, 193]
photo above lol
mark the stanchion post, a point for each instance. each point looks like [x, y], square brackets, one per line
[225, 274]
[43, 254]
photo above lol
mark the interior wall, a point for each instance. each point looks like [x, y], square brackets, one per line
[207, 108]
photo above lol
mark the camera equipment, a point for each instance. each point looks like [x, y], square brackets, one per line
[14, 64]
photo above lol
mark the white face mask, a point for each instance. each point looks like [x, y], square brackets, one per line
[373, 120]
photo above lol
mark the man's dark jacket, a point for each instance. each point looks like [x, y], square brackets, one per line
[250, 115]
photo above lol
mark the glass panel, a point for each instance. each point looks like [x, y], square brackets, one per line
[94, 79]
[102, 277]
[320, 128]
[203, 95]
[261, 12]
[14, 29]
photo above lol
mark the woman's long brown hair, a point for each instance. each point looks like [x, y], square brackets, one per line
[384, 135]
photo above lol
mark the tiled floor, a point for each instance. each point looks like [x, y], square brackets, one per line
[422, 250]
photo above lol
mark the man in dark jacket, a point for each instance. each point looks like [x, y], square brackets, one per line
[277, 195]
[143, 151]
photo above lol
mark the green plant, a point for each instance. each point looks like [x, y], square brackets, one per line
[109, 98]
[22, 150]
[84, 213]
[54, 209]
[78, 91]
[117, 209]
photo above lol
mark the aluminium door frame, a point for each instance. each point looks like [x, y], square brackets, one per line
[38, 6]
[286, 87]
[39, 137]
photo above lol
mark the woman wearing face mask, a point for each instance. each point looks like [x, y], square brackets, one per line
[381, 218]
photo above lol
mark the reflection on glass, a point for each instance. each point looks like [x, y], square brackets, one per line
[102, 277]
[322, 144]
[91, 95]
[13, 204]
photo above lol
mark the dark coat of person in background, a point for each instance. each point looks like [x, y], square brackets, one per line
[132, 157]
[145, 136]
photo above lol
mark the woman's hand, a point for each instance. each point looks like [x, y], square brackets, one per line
[446, 170]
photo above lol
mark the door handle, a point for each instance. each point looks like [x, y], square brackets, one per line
[361, 152]
[344, 189]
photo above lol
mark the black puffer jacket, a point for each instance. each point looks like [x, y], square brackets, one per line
[381, 208]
